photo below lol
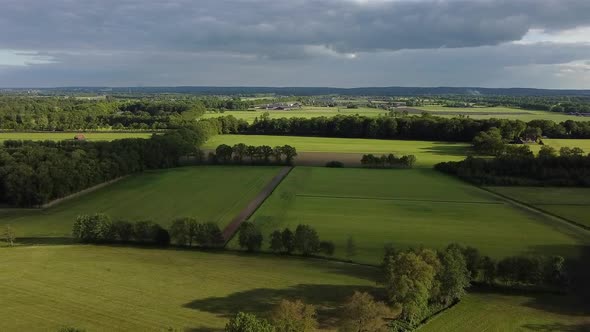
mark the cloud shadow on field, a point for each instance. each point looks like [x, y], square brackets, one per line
[557, 327]
[446, 149]
[260, 301]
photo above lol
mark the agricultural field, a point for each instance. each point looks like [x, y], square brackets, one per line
[427, 153]
[304, 112]
[499, 112]
[408, 208]
[99, 288]
[504, 312]
[567, 202]
[210, 193]
[60, 136]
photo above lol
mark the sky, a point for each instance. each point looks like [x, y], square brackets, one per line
[334, 43]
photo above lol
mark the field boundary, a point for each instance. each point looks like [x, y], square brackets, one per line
[80, 193]
[399, 199]
[230, 230]
[564, 221]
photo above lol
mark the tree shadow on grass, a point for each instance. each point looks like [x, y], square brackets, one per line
[557, 327]
[260, 301]
[29, 241]
[447, 149]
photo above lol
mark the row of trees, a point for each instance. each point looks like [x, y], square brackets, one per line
[305, 240]
[426, 127]
[423, 281]
[360, 312]
[517, 165]
[99, 228]
[189, 232]
[241, 153]
[34, 173]
[388, 161]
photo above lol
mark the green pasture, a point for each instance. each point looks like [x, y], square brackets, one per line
[100, 288]
[304, 112]
[569, 203]
[60, 136]
[427, 153]
[210, 193]
[504, 312]
[407, 208]
[499, 112]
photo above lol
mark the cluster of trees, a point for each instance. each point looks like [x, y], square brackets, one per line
[517, 165]
[305, 240]
[562, 104]
[361, 312]
[60, 114]
[188, 232]
[34, 173]
[388, 161]
[8, 235]
[99, 228]
[425, 127]
[263, 154]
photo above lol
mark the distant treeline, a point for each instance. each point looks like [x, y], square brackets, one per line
[429, 128]
[34, 173]
[59, 114]
[388, 161]
[519, 166]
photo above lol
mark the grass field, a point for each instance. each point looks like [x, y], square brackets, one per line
[427, 153]
[59, 136]
[128, 289]
[475, 113]
[407, 208]
[499, 313]
[569, 203]
[500, 112]
[214, 193]
[305, 112]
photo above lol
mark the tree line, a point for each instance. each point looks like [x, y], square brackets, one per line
[184, 232]
[34, 173]
[304, 240]
[241, 153]
[388, 161]
[426, 127]
[517, 165]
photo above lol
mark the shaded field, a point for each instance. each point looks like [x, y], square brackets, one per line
[427, 153]
[408, 208]
[209, 193]
[100, 288]
[570, 203]
[60, 136]
[504, 312]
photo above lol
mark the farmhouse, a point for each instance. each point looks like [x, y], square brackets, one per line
[282, 106]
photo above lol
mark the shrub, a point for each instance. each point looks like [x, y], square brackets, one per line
[335, 164]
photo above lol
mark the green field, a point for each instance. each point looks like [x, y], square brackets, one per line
[59, 136]
[499, 313]
[475, 113]
[427, 153]
[128, 289]
[305, 112]
[210, 193]
[408, 208]
[569, 203]
[500, 112]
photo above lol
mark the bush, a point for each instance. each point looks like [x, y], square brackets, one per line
[250, 237]
[335, 164]
[327, 247]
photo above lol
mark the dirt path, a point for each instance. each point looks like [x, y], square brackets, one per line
[254, 204]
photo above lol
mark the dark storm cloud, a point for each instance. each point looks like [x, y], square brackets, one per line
[278, 29]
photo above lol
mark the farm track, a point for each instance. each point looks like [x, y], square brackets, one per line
[399, 199]
[254, 204]
[578, 229]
